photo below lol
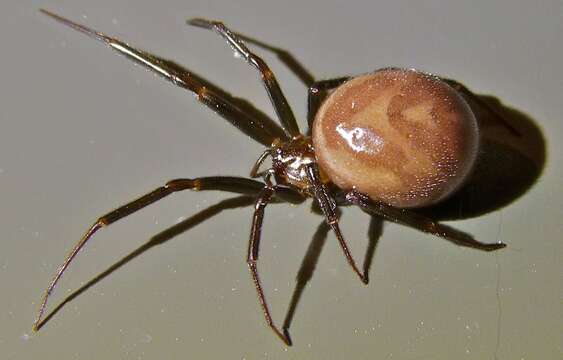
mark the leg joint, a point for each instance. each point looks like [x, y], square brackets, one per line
[182, 184]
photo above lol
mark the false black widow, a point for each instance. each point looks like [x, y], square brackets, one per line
[386, 141]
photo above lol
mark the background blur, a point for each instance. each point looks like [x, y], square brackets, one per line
[83, 131]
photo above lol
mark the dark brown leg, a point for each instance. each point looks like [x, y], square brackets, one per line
[281, 106]
[158, 239]
[328, 207]
[230, 184]
[483, 104]
[263, 199]
[316, 95]
[262, 131]
[285, 57]
[417, 221]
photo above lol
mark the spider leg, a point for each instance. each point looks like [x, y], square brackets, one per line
[225, 105]
[263, 199]
[281, 106]
[417, 221]
[230, 184]
[328, 207]
[483, 104]
[158, 239]
[317, 93]
[285, 57]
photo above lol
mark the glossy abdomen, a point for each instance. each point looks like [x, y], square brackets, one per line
[400, 136]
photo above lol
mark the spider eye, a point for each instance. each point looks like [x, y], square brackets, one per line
[399, 136]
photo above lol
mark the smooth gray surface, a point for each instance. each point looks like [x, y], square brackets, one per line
[83, 130]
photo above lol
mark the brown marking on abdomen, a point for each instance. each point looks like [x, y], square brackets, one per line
[400, 136]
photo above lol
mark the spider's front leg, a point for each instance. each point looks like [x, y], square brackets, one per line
[420, 222]
[221, 183]
[263, 199]
[328, 207]
[231, 109]
[285, 57]
[277, 98]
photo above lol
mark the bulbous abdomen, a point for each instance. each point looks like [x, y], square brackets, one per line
[400, 136]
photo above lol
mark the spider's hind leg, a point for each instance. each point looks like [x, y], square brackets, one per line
[417, 221]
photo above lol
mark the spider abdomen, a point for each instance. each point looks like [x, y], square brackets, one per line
[400, 136]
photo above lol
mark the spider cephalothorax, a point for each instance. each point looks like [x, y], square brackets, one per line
[290, 161]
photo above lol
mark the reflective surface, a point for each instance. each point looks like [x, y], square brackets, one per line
[84, 131]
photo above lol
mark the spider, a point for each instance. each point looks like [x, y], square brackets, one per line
[387, 142]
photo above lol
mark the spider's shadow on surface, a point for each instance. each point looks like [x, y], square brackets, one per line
[506, 168]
